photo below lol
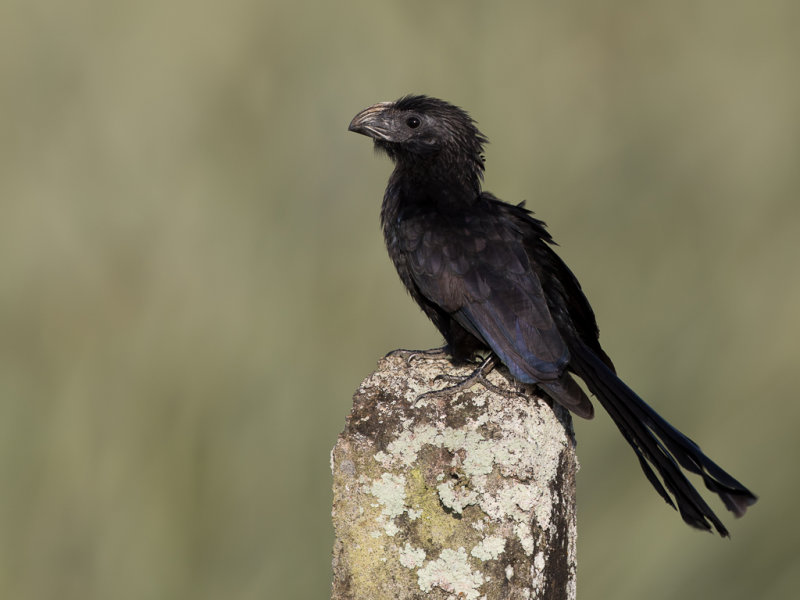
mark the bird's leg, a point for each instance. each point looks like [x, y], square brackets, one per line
[464, 383]
[411, 355]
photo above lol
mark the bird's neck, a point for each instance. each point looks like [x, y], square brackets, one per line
[425, 194]
[441, 179]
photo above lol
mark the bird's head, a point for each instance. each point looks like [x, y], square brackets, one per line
[423, 130]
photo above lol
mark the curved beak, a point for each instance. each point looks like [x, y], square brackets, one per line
[372, 122]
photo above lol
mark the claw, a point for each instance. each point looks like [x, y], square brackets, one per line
[478, 376]
[412, 355]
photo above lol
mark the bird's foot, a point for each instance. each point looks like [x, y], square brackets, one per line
[412, 355]
[478, 376]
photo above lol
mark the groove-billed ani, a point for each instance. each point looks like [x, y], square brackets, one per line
[486, 274]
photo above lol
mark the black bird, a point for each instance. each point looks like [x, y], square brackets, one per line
[487, 276]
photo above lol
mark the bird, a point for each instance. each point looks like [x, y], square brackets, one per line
[487, 275]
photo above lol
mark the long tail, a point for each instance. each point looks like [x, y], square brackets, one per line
[659, 444]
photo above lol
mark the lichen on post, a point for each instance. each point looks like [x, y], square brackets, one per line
[469, 496]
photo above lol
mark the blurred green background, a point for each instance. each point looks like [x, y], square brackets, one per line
[193, 280]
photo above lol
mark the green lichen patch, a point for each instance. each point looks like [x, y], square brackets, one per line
[436, 527]
[490, 548]
[411, 557]
[455, 497]
[390, 491]
[452, 573]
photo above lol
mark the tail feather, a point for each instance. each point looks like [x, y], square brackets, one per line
[659, 445]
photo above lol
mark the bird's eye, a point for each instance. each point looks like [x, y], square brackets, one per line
[412, 122]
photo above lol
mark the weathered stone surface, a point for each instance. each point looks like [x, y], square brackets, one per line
[470, 496]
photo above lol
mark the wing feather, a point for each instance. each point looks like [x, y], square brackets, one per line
[482, 277]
